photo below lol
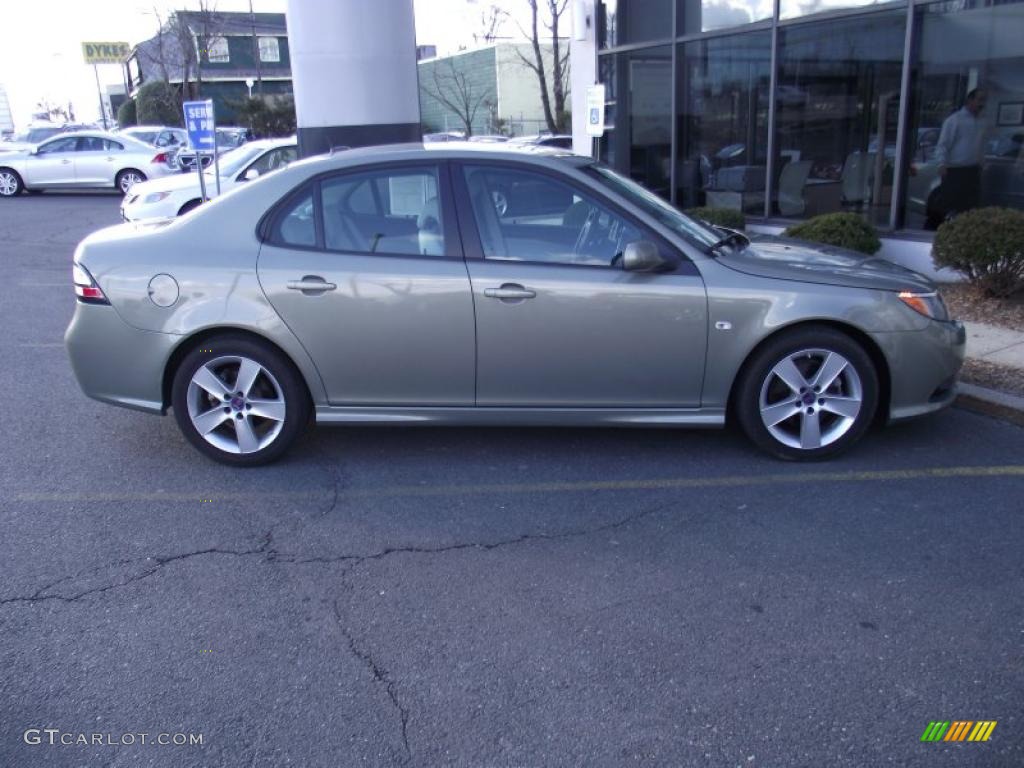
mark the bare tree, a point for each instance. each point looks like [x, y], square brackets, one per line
[555, 115]
[453, 89]
[491, 20]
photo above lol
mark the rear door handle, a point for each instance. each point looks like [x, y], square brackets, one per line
[311, 285]
[509, 291]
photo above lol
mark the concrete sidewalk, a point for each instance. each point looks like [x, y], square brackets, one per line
[994, 344]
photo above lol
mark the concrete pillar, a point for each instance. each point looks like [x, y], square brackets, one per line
[582, 71]
[354, 72]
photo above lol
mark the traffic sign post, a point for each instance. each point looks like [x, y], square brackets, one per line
[202, 135]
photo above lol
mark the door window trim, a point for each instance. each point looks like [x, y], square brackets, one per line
[473, 245]
[453, 242]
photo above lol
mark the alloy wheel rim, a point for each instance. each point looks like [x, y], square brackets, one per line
[129, 180]
[811, 398]
[236, 404]
[8, 184]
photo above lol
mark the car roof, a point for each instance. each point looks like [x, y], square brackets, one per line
[100, 135]
[450, 150]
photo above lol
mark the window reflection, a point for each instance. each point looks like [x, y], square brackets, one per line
[722, 121]
[791, 9]
[837, 107]
[638, 115]
[709, 15]
[963, 46]
[621, 22]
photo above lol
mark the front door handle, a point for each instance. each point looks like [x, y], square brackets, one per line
[509, 291]
[311, 285]
[65, 161]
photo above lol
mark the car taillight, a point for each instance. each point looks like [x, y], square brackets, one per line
[160, 158]
[86, 289]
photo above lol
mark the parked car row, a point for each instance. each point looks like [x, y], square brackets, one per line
[81, 159]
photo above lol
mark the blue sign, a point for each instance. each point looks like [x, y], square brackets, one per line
[200, 124]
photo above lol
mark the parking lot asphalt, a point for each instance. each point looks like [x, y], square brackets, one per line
[489, 597]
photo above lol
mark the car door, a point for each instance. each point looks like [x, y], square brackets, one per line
[559, 322]
[366, 268]
[95, 161]
[53, 164]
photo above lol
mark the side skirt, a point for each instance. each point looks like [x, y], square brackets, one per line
[523, 417]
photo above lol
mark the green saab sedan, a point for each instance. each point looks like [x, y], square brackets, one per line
[477, 285]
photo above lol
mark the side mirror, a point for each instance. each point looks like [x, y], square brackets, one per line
[642, 256]
[252, 173]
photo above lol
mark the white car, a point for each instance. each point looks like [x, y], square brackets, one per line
[172, 196]
[82, 159]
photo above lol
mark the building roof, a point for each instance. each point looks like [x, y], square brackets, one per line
[161, 53]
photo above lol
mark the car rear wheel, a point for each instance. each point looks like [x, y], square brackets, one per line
[128, 178]
[808, 394]
[239, 401]
[10, 183]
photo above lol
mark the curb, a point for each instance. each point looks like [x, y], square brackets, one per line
[991, 402]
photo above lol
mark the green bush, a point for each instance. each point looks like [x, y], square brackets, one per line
[845, 230]
[987, 246]
[720, 217]
[158, 103]
[267, 117]
[126, 114]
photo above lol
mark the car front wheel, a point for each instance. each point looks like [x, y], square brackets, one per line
[808, 394]
[239, 401]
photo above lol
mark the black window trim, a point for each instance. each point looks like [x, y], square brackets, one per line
[471, 235]
[454, 250]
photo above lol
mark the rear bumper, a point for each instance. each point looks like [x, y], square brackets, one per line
[923, 367]
[116, 363]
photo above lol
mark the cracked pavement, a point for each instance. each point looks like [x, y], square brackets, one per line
[546, 618]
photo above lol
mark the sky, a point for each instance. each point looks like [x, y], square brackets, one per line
[43, 58]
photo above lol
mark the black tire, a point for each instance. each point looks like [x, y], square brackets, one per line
[119, 179]
[808, 347]
[283, 376]
[189, 206]
[10, 175]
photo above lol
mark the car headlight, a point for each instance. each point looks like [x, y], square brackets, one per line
[930, 305]
[155, 197]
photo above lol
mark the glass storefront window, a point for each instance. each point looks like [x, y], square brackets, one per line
[722, 121]
[837, 107]
[623, 22]
[792, 9]
[709, 15]
[963, 46]
[638, 115]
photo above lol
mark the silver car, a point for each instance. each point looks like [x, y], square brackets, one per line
[81, 160]
[385, 286]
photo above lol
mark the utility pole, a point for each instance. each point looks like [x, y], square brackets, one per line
[255, 53]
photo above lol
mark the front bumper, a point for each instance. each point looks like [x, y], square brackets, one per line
[923, 367]
[116, 363]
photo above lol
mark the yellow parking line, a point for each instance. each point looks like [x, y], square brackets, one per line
[727, 481]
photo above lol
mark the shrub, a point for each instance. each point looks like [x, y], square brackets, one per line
[845, 230]
[720, 217]
[158, 104]
[126, 114]
[987, 246]
[267, 117]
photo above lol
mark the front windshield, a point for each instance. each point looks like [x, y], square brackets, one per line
[661, 211]
[231, 162]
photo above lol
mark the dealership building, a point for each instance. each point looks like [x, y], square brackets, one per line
[785, 109]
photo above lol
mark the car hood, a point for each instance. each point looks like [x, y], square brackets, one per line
[15, 147]
[788, 259]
